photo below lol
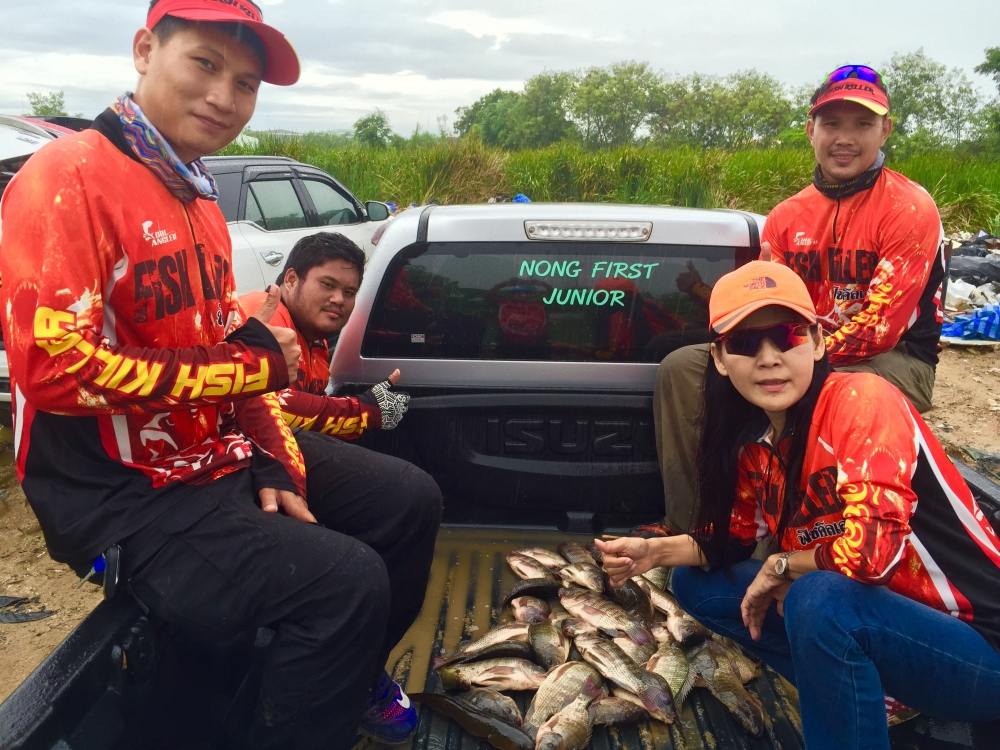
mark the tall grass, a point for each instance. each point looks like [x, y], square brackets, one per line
[465, 171]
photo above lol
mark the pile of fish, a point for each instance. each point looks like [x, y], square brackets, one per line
[594, 655]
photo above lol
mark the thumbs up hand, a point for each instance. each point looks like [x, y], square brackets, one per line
[286, 337]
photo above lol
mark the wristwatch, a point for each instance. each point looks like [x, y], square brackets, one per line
[781, 565]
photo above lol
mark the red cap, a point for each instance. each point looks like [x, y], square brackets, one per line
[856, 90]
[752, 286]
[281, 66]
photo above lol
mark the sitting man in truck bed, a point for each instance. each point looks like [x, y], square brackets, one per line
[868, 243]
[388, 503]
[137, 391]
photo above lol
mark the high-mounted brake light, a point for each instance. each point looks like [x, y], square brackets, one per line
[621, 231]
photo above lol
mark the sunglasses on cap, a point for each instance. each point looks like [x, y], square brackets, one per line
[861, 72]
[746, 342]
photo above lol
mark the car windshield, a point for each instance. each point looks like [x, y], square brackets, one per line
[568, 301]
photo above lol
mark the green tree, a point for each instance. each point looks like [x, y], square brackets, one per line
[928, 98]
[373, 130]
[487, 118]
[991, 66]
[47, 105]
[991, 114]
[534, 118]
[610, 105]
[540, 116]
[742, 110]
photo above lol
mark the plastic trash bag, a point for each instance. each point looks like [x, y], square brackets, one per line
[976, 271]
[959, 295]
[983, 323]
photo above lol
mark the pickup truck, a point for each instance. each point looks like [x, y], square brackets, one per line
[528, 337]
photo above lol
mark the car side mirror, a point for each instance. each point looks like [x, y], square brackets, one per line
[377, 211]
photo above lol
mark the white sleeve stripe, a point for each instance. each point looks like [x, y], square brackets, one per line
[18, 418]
[937, 575]
[120, 425]
[962, 511]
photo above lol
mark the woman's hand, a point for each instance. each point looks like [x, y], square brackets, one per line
[765, 588]
[625, 557]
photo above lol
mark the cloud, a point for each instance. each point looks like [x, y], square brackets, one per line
[484, 25]
[418, 59]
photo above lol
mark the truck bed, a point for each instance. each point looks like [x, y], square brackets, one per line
[121, 682]
[469, 578]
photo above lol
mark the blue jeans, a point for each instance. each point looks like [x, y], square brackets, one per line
[846, 644]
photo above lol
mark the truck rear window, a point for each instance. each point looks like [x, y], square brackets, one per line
[566, 301]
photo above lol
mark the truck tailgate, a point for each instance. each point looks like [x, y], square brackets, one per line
[469, 579]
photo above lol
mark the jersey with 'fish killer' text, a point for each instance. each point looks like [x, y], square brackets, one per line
[117, 299]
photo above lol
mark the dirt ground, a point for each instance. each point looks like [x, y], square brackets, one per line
[966, 417]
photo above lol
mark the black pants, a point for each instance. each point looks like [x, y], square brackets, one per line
[339, 594]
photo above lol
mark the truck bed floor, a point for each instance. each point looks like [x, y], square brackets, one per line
[470, 577]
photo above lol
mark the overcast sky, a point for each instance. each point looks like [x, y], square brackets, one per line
[420, 59]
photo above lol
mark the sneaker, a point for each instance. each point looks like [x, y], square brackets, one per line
[389, 718]
[896, 713]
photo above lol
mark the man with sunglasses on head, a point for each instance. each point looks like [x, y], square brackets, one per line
[143, 402]
[866, 240]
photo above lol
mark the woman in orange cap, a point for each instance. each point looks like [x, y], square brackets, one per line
[870, 587]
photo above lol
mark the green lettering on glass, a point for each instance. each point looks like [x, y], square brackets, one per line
[549, 268]
[616, 269]
[596, 297]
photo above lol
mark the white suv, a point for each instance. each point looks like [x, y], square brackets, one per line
[271, 202]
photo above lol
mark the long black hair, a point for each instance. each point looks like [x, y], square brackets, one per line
[730, 422]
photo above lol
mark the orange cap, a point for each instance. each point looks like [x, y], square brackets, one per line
[752, 286]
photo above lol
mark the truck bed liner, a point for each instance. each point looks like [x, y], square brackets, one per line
[468, 580]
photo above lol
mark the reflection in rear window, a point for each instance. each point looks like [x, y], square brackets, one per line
[588, 302]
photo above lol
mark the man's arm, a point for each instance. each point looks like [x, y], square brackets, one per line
[909, 248]
[56, 266]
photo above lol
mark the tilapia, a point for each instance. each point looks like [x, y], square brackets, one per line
[633, 598]
[569, 729]
[746, 667]
[658, 577]
[513, 631]
[672, 665]
[497, 733]
[494, 704]
[562, 685]
[544, 587]
[499, 674]
[546, 557]
[639, 654]
[714, 670]
[526, 567]
[529, 609]
[612, 662]
[575, 552]
[498, 650]
[604, 614]
[660, 632]
[613, 710]
[549, 644]
[683, 627]
[587, 575]
[574, 626]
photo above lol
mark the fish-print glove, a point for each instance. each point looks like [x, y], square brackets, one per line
[391, 404]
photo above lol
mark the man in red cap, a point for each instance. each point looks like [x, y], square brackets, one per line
[866, 240]
[143, 401]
